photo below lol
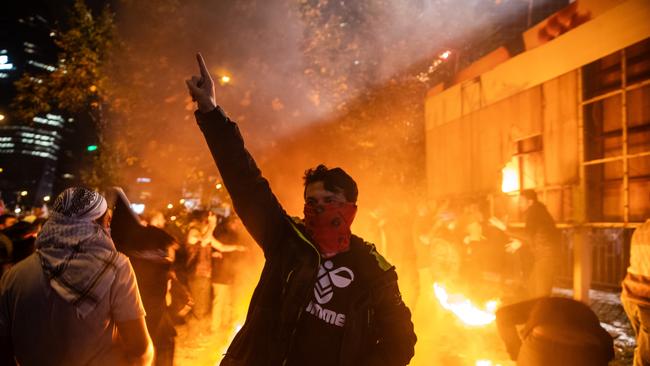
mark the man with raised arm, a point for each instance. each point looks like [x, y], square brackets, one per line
[325, 296]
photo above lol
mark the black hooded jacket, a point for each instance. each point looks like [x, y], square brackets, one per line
[378, 328]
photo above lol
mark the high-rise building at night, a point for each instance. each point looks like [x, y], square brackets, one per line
[29, 150]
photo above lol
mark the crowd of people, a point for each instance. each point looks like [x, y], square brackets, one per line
[461, 244]
[185, 272]
[92, 283]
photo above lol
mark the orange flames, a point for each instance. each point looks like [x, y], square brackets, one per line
[510, 178]
[463, 308]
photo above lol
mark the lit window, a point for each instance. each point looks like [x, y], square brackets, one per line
[5, 64]
[41, 66]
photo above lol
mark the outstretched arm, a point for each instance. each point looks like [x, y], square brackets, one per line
[251, 194]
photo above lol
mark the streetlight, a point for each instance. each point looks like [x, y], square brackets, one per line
[225, 80]
[2, 117]
[46, 199]
[23, 193]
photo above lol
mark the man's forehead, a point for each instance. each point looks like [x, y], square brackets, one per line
[318, 189]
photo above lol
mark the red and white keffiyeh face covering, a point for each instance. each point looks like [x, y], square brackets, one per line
[329, 226]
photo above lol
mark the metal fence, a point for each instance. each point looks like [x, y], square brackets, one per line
[610, 253]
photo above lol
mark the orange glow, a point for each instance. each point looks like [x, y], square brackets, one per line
[463, 308]
[233, 333]
[510, 178]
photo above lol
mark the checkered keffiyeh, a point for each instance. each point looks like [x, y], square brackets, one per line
[80, 203]
[77, 254]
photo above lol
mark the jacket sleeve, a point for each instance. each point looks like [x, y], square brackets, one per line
[251, 194]
[392, 322]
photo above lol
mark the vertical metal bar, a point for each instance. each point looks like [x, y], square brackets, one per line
[582, 248]
[542, 159]
[582, 201]
[605, 263]
[626, 188]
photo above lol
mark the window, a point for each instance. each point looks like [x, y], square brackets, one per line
[616, 114]
[531, 162]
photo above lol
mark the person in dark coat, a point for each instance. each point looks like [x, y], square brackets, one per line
[544, 241]
[541, 242]
[151, 251]
[325, 297]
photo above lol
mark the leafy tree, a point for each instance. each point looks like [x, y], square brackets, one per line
[78, 84]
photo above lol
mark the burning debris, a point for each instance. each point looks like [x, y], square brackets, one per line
[464, 309]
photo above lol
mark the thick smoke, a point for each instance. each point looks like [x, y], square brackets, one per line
[311, 81]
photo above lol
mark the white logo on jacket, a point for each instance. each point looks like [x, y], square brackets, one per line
[328, 278]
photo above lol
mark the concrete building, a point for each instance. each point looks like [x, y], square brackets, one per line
[567, 116]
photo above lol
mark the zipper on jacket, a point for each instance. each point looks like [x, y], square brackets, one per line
[286, 282]
[302, 305]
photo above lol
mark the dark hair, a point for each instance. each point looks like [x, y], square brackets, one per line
[334, 180]
[529, 194]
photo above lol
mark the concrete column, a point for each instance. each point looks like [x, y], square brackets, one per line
[582, 265]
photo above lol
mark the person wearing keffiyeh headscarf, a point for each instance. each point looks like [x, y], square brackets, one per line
[77, 254]
[63, 304]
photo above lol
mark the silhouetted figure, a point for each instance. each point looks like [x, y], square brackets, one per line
[152, 253]
[636, 293]
[556, 331]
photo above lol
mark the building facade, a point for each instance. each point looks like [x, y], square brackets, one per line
[568, 117]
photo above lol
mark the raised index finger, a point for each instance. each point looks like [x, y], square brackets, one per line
[204, 69]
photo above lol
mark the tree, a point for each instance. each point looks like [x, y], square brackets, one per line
[78, 84]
